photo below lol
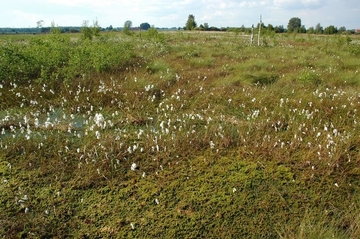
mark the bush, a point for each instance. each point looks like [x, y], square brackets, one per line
[57, 58]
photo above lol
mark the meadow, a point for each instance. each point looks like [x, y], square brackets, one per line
[179, 135]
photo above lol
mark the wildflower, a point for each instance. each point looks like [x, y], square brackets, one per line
[132, 226]
[157, 201]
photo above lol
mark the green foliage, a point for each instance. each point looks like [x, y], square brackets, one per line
[294, 24]
[330, 30]
[145, 26]
[128, 24]
[54, 29]
[58, 58]
[154, 35]
[318, 29]
[127, 27]
[354, 49]
[86, 32]
[190, 23]
[309, 76]
[157, 67]
[262, 79]
[96, 28]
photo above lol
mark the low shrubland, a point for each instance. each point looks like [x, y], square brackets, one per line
[179, 135]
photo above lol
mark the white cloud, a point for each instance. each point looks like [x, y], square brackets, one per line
[31, 18]
[299, 4]
[169, 13]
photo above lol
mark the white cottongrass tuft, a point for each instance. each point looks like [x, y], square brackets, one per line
[212, 145]
[133, 166]
[99, 120]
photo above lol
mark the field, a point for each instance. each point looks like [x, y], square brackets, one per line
[179, 135]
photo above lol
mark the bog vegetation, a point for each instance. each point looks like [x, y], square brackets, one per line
[179, 135]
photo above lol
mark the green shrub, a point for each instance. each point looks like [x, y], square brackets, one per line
[58, 58]
[309, 76]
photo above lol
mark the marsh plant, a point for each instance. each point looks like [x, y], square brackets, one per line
[191, 136]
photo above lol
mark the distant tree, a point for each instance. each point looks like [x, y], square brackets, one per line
[110, 28]
[302, 29]
[294, 24]
[89, 32]
[242, 28]
[270, 27]
[279, 29]
[342, 29]
[96, 28]
[206, 26]
[127, 27]
[330, 30]
[128, 24]
[311, 30]
[86, 32]
[54, 29]
[318, 29]
[144, 26]
[190, 24]
[40, 24]
[212, 28]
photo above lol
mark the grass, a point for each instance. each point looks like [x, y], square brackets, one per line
[230, 140]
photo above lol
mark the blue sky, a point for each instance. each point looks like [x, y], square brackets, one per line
[174, 13]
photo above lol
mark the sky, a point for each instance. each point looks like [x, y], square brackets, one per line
[174, 13]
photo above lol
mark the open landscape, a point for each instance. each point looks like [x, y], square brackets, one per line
[179, 135]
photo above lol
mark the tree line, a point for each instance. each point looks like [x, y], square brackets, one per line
[294, 26]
